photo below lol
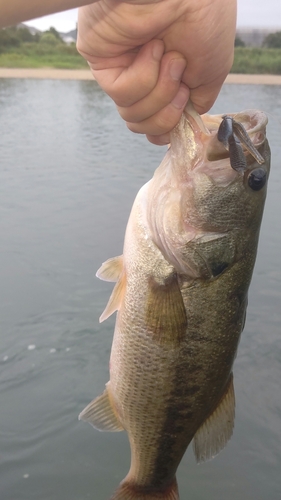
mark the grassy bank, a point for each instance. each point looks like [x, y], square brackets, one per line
[40, 55]
[31, 55]
[257, 61]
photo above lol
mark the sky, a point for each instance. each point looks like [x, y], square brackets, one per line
[251, 13]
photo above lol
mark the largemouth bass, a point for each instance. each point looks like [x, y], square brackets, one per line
[181, 296]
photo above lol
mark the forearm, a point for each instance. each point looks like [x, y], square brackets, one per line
[16, 11]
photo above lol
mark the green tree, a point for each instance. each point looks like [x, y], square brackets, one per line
[48, 38]
[273, 40]
[238, 42]
[24, 35]
[55, 33]
[8, 38]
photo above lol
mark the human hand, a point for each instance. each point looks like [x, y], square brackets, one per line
[150, 56]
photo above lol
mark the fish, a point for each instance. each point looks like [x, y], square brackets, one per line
[181, 298]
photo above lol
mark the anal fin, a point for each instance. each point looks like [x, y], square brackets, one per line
[100, 413]
[217, 429]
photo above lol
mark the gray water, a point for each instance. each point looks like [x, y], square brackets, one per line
[69, 171]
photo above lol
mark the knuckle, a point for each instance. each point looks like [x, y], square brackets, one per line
[124, 113]
[159, 140]
[160, 124]
[123, 95]
[133, 127]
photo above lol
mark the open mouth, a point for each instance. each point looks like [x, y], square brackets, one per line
[233, 135]
[236, 136]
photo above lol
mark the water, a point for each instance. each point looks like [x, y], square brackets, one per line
[69, 172]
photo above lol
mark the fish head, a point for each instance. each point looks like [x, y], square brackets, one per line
[206, 199]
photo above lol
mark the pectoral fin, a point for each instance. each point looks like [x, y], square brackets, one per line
[115, 298]
[214, 433]
[165, 311]
[111, 269]
[100, 413]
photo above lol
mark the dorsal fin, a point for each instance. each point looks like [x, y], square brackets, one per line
[217, 429]
[115, 298]
[111, 269]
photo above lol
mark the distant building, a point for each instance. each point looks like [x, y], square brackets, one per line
[67, 39]
[31, 29]
[254, 37]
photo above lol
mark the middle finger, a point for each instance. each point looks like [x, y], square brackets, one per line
[171, 70]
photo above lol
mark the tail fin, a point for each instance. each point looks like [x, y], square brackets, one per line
[130, 491]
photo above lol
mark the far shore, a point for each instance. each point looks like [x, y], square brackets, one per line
[85, 74]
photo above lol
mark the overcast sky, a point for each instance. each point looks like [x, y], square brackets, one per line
[251, 13]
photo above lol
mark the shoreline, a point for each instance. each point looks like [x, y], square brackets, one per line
[46, 73]
[85, 74]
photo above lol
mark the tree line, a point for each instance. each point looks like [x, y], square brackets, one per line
[271, 41]
[20, 49]
[14, 36]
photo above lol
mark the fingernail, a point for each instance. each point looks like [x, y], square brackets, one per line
[158, 50]
[181, 98]
[177, 67]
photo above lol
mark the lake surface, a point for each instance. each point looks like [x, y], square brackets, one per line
[69, 172]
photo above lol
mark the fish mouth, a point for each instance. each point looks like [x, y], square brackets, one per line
[237, 136]
[199, 145]
[232, 135]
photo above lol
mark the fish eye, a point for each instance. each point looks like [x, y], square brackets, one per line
[257, 179]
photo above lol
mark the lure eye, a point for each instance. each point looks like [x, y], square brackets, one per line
[257, 179]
